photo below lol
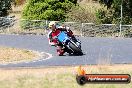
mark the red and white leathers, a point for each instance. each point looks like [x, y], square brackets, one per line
[50, 42]
[52, 39]
[62, 28]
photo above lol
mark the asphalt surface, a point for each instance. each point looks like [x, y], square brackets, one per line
[96, 51]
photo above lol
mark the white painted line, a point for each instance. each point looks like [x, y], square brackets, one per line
[42, 54]
[49, 56]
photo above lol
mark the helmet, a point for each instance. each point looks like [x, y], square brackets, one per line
[52, 23]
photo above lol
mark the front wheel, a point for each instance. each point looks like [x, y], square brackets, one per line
[76, 49]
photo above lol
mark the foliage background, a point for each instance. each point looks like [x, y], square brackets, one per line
[47, 9]
[111, 12]
[5, 5]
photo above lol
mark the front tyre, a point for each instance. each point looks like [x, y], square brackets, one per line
[75, 48]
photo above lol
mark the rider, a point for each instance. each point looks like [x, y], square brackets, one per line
[53, 34]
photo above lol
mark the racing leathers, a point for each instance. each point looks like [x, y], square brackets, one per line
[53, 41]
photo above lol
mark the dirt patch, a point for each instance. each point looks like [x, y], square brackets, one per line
[9, 55]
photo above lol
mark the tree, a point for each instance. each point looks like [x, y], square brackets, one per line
[47, 9]
[18, 2]
[81, 14]
[108, 3]
[5, 5]
[112, 14]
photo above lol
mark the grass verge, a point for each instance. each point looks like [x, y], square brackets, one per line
[14, 55]
[58, 77]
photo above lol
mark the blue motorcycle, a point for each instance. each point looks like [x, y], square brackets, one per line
[70, 45]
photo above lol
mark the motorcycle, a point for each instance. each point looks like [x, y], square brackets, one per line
[70, 45]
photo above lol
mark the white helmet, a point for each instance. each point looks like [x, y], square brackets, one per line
[52, 23]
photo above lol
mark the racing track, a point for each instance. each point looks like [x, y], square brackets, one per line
[97, 50]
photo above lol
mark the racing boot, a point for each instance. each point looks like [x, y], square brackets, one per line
[60, 51]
